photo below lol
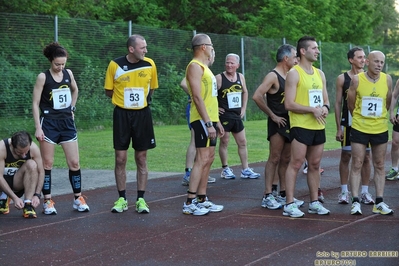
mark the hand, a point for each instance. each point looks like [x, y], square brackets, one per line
[221, 111]
[339, 136]
[35, 201]
[319, 114]
[212, 133]
[280, 121]
[18, 203]
[393, 119]
[221, 129]
[39, 134]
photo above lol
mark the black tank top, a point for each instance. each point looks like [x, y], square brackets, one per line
[46, 101]
[276, 101]
[12, 165]
[226, 87]
[345, 111]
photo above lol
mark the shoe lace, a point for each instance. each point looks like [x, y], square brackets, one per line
[82, 199]
[49, 203]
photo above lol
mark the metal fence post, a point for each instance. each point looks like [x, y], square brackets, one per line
[56, 28]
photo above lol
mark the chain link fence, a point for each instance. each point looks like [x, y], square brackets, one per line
[92, 44]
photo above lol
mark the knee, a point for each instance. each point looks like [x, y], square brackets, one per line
[48, 163]
[31, 165]
[345, 157]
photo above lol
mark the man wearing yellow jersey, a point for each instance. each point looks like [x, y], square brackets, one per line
[204, 119]
[130, 81]
[306, 99]
[369, 98]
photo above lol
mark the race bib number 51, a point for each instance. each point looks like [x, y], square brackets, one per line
[61, 98]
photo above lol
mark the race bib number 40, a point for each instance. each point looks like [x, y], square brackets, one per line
[234, 99]
[61, 98]
[372, 106]
[134, 98]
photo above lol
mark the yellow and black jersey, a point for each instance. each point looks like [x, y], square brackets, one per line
[131, 82]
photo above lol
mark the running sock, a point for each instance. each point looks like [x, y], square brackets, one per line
[201, 198]
[378, 200]
[140, 194]
[355, 199]
[365, 189]
[282, 193]
[344, 188]
[274, 187]
[122, 194]
[76, 181]
[47, 182]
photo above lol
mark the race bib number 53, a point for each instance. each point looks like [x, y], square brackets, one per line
[134, 98]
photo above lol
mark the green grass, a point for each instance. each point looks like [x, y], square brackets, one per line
[96, 148]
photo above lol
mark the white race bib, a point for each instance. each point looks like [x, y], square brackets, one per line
[316, 98]
[133, 98]
[234, 99]
[372, 106]
[214, 87]
[61, 98]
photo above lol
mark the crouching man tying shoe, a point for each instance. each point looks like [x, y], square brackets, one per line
[23, 174]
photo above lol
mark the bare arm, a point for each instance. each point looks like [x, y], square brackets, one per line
[337, 108]
[352, 93]
[394, 101]
[183, 85]
[3, 183]
[269, 82]
[326, 102]
[338, 100]
[36, 156]
[74, 88]
[244, 95]
[37, 94]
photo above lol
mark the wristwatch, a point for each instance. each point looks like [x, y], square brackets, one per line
[37, 195]
[73, 108]
[209, 124]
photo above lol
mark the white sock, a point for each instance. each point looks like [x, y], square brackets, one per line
[365, 189]
[344, 188]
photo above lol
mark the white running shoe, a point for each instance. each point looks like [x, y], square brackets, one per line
[80, 205]
[355, 209]
[48, 207]
[343, 198]
[194, 209]
[270, 203]
[382, 208]
[227, 173]
[249, 173]
[317, 207]
[292, 211]
[283, 201]
[207, 204]
[366, 198]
